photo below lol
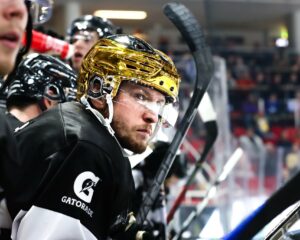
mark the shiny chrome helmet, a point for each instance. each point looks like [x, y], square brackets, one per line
[120, 58]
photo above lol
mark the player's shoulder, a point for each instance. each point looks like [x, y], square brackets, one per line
[48, 120]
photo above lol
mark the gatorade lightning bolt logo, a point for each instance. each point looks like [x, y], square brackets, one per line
[84, 186]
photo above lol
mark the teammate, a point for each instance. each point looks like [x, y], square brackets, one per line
[82, 185]
[13, 22]
[13, 18]
[40, 82]
[84, 32]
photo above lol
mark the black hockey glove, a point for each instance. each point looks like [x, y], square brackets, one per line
[132, 231]
[136, 232]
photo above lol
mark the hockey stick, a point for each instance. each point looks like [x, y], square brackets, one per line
[208, 116]
[279, 201]
[279, 231]
[194, 37]
[235, 157]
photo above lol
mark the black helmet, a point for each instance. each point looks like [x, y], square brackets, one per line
[102, 26]
[38, 73]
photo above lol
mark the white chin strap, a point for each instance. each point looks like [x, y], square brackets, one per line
[110, 108]
[137, 158]
[105, 121]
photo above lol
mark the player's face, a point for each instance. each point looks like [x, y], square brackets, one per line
[13, 19]
[136, 113]
[82, 41]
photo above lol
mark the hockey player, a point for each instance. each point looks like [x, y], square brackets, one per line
[41, 82]
[82, 186]
[13, 20]
[84, 32]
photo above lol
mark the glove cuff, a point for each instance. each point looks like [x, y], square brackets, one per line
[139, 235]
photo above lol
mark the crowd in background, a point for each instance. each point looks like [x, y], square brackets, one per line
[264, 106]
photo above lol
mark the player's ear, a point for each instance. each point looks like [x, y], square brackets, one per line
[48, 103]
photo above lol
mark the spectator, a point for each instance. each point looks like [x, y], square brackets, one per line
[292, 83]
[292, 162]
[263, 125]
[271, 160]
[284, 140]
[295, 107]
[13, 24]
[271, 167]
[240, 69]
[296, 65]
[273, 105]
[250, 109]
[254, 147]
[231, 81]
[261, 81]
[245, 81]
[276, 84]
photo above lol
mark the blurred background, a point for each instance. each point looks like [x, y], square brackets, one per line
[255, 92]
[243, 22]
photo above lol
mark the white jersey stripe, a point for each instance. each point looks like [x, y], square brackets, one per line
[44, 224]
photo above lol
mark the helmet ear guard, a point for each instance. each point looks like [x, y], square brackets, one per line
[95, 89]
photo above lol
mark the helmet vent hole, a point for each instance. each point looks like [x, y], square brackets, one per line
[131, 67]
[161, 83]
[171, 89]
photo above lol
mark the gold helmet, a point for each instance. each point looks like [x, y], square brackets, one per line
[120, 58]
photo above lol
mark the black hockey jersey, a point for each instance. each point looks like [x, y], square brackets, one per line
[8, 166]
[75, 182]
[13, 121]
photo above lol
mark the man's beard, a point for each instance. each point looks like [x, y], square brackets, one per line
[127, 143]
[125, 140]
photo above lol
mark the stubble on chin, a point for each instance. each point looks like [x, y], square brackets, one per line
[131, 144]
[128, 142]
